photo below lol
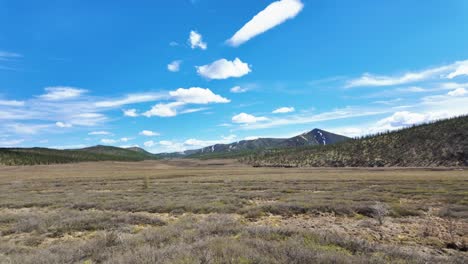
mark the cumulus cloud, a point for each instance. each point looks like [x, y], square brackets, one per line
[238, 89]
[244, 118]
[130, 112]
[458, 92]
[223, 69]
[196, 41]
[174, 66]
[164, 110]
[61, 93]
[149, 133]
[63, 125]
[283, 110]
[274, 14]
[197, 95]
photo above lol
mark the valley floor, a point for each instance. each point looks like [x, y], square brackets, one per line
[219, 211]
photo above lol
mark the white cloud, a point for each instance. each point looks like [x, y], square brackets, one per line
[94, 133]
[164, 110]
[448, 71]
[193, 95]
[87, 119]
[10, 143]
[244, 118]
[458, 92]
[11, 103]
[223, 69]
[27, 128]
[149, 143]
[402, 119]
[192, 142]
[63, 125]
[131, 99]
[274, 14]
[197, 95]
[196, 41]
[149, 133]
[174, 66]
[108, 141]
[461, 70]
[238, 89]
[347, 112]
[283, 110]
[166, 143]
[130, 112]
[61, 93]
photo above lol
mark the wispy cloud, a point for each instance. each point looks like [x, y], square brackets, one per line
[131, 99]
[11, 103]
[223, 69]
[274, 14]
[444, 72]
[61, 93]
[99, 133]
[4, 55]
[238, 89]
[10, 142]
[306, 118]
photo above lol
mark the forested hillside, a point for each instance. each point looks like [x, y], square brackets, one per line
[442, 143]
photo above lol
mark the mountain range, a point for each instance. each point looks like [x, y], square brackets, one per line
[441, 143]
[314, 137]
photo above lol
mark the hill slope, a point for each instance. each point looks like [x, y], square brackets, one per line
[312, 138]
[443, 143]
[32, 156]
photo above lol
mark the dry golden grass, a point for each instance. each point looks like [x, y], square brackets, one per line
[219, 211]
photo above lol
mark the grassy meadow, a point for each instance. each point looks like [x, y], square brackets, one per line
[220, 211]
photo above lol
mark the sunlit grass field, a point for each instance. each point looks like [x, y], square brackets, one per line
[219, 211]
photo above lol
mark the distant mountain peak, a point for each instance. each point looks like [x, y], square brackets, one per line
[313, 137]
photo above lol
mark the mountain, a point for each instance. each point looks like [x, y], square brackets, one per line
[140, 150]
[312, 138]
[32, 156]
[442, 143]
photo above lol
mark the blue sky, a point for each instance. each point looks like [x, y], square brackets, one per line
[175, 75]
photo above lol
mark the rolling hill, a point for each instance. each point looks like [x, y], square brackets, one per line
[32, 156]
[442, 143]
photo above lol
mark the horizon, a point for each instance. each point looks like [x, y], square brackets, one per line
[190, 74]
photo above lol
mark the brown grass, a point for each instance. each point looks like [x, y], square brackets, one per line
[187, 211]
